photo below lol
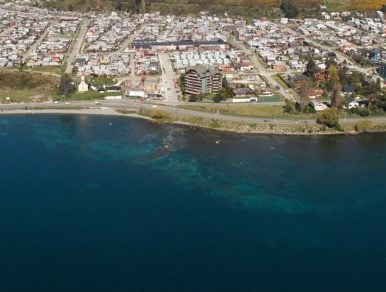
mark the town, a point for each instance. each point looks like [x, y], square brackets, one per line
[310, 64]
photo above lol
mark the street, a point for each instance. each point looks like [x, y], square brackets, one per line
[76, 45]
[131, 104]
[169, 79]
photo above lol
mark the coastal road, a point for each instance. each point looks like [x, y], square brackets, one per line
[77, 45]
[169, 79]
[128, 104]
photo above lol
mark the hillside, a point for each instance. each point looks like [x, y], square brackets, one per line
[193, 6]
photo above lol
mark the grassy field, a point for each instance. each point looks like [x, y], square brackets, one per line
[21, 86]
[58, 70]
[103, 80]
[25, 95]
[249, 110]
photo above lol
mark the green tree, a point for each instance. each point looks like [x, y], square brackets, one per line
[218, 97]
[356, 80]
[66, 85]
[336, 87]
[289, 9]
[290, 107]
[377, 102]
[311, 68]
[118, 5]
[227, 90]
[343, 76]
[304, 97]
[329, 118]
[330, 62]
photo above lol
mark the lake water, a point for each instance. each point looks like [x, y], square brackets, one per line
[90, 203]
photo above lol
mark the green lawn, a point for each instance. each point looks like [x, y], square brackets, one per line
[103, 80]
[250, 110]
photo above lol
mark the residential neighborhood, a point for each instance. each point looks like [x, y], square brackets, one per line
[155, 56]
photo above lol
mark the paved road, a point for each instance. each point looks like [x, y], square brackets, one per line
[169, 78]
[130, 39]
[172, 110]
[33, 47]
[75, 49]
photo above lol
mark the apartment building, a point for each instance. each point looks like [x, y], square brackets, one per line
[202, 80]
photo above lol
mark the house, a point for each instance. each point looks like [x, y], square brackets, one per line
[353, 104]
[243, 92]
[113, 88]
[83, 86]
[363, 103]
[314, 92]
[348, 89]
[318, 106]
[300, 80]
[202, 80]
[382, 70]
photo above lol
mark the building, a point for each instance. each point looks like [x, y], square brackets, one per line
[179, 45]
[83, 86]
[382, 70]
[202, 80]
[375, 55]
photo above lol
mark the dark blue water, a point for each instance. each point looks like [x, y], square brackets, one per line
[114, 204]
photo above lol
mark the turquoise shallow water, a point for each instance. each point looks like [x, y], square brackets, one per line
[107, 203]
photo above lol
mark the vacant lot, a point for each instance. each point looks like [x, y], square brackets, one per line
[22, 86]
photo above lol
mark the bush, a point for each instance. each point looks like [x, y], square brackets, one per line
[157, 115]
[360, 111]
[217, 98]
[215, 124]
[290, 107]
[192, 98]
[364, 126]
[329, 118]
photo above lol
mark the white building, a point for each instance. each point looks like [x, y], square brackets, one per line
[83, 86]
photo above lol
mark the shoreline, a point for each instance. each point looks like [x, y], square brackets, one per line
[199, 123]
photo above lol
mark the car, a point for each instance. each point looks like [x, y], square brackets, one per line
[56, 101]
